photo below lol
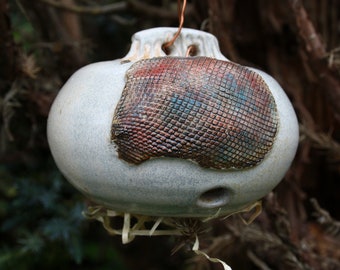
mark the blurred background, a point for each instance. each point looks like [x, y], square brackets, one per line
[43, 42]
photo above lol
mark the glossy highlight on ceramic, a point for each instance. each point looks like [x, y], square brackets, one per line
[216, 113]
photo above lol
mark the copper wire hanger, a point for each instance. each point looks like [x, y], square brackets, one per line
[181, 10]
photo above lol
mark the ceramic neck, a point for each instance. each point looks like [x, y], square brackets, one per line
[149, 43]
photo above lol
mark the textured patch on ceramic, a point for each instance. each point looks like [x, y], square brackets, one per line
[216, 113]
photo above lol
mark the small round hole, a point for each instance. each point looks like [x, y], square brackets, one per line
[215, 197]
[192, 50]
[166, 49]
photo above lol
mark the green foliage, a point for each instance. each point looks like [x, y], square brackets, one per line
[40, 216]
[31, 243]
[42, 226]
[23, 32]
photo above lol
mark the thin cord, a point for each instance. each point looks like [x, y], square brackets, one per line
[181, 12]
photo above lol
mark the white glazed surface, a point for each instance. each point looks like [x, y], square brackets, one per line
[79, 128]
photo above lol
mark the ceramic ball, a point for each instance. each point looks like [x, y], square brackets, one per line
[97, 155]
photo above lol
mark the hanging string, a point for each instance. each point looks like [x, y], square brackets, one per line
[181, 11]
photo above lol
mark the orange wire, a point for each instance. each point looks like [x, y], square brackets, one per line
[181, 22]
[191, 51]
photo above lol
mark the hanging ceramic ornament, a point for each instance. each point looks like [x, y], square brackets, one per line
[172, 135]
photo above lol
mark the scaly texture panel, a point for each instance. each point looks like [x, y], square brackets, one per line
[216, 113]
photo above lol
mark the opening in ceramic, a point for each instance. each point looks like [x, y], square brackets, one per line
[216, 197]
[192, 50]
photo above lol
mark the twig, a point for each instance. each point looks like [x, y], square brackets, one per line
[8, 104]
[321, 140]
[324, 218]
[93, 10]
[257, 261]
[272, 247]
[152, 11]
[317, 53]
[138, 6]
[312, 40]
[334, 59]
